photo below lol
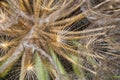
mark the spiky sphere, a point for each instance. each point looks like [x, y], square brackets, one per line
[33, 30]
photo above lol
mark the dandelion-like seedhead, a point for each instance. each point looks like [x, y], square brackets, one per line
[97, 52]
[36, 32]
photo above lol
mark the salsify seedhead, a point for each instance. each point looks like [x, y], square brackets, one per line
[34, 33]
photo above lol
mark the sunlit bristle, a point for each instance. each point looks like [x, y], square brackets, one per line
[4, 45]
[2, 16]
[5, 42]
[29, 67]
[30, 73]
[59, 39]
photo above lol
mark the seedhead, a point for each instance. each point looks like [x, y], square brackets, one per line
[35, 35]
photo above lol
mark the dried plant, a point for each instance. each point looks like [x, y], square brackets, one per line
[34, 33]
[101, 53]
